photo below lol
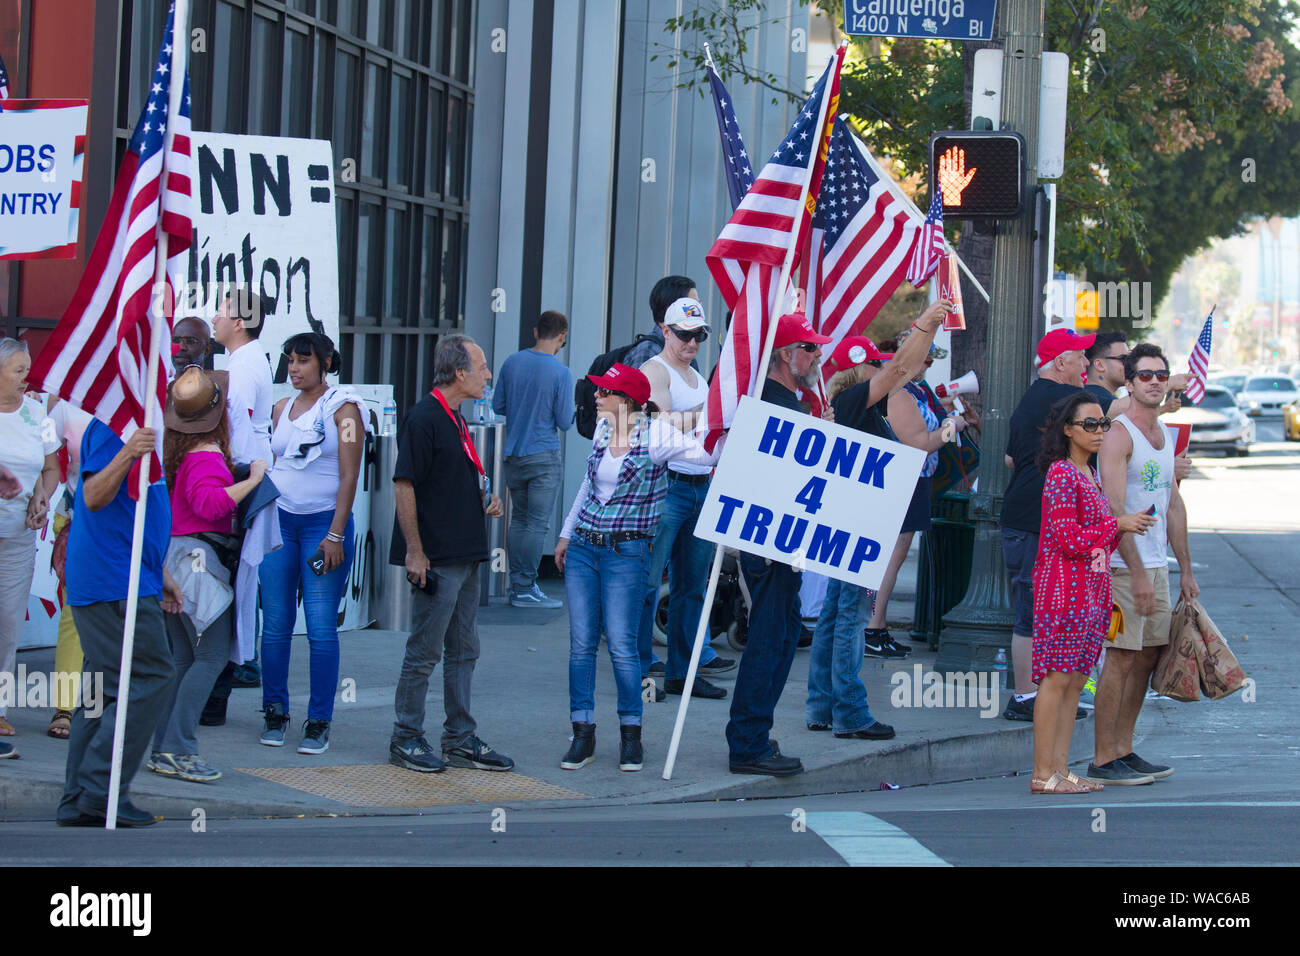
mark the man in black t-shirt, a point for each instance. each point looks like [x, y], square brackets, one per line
[1061, 367]
[1106, 367]
[439, 535]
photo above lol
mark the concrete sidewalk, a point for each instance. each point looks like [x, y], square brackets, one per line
[521, 704]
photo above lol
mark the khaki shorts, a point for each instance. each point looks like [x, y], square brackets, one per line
[1140, 632]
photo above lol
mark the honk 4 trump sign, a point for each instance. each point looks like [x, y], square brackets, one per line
[809, 493]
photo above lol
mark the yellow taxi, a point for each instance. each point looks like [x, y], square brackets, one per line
[1291, 421]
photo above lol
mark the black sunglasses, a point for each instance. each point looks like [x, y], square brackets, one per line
[1147, 374]
[605, 392]
[1114, 358]
[1092, 424]
[806, 346]
[699, 335]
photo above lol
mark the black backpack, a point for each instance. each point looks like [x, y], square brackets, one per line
[584, 393]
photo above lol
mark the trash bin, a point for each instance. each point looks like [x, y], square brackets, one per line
[943, 566]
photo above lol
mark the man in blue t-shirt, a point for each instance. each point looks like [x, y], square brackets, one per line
[535, 393]
[98, 566]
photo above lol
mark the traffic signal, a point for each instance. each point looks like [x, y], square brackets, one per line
[980, 173]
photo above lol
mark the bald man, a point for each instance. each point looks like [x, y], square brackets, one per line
[191, 344]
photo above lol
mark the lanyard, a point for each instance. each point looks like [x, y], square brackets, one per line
[470, 451]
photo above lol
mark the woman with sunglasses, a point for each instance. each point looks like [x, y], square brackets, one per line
[1072, 587]
[604, 552]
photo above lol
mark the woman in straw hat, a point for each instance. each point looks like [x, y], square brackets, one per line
[204, 497]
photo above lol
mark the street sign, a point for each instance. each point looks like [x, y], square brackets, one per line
[922, 19]
[981, 174]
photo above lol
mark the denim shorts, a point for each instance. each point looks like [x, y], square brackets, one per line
[1020, 551]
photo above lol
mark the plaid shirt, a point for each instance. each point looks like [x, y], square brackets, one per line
[642, 486]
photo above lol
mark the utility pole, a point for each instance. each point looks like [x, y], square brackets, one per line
[981, 624]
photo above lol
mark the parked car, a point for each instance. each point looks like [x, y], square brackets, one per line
[1217, 423]
[1264, 395]
[1291, 421]
[1232, 381]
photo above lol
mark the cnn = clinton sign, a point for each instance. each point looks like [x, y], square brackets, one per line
[42, 149]
[923, 19]
[809, 493]
[264, 216]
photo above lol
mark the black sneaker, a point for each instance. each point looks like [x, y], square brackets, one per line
[276, 720]
[476, 755]
[1020, 709]
[414, 753]
[880, 644]
[657, 669]
[701, 688]
[630, 755]
[877, 731]
[814, 725]
[1119, 774]
[805, 640]
[582, 749]
[247, 675]
[1159, 771]
[773, 765]
[315, 737]
[719, 665]
[897, 647]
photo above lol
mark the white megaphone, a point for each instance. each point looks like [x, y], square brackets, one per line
[968, 384]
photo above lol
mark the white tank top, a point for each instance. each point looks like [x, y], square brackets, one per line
[314, 488]
[685, 397]
[1149, 481]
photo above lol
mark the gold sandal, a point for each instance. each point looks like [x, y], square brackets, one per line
[1091, 786]
[1056, 783]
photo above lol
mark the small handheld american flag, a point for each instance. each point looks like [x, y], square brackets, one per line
[1199, 363]
[929, 244]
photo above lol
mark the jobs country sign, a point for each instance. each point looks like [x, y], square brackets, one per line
[924, 19]
[42, 148]
[806, 492]
[264, 216]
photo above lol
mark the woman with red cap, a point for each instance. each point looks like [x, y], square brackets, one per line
[604, 550]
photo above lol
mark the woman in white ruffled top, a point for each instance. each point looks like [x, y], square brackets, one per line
[317, 437]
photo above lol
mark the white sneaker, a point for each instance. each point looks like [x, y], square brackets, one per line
[534, 597]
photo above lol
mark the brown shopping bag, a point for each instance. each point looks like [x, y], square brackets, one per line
[1221, 674]
[1178, 673]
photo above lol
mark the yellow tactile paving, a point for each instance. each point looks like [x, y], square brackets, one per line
[384, 785]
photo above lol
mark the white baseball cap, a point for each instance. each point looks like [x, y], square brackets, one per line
[686, 314]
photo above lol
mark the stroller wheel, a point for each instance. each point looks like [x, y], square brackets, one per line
[737, 636]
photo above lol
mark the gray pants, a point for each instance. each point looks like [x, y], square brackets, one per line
[90, 744]
[197, 669]
[444, 629]
[533, 481]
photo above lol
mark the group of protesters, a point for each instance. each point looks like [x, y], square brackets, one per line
[257, 497]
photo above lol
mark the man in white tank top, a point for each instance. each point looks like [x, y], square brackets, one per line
[1137, 474]
[680, 392]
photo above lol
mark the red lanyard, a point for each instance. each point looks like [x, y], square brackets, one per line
[470, 451]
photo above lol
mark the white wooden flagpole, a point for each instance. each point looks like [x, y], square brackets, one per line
[773, 315]
[175, 90]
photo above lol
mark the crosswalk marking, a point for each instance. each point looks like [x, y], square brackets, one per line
[863, 840]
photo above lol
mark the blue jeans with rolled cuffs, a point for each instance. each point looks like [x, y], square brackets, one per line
[279, 575]
[836, 694]
[604, 586]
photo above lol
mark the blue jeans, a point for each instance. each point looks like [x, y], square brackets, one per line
[774, 628]
[604, 587]
[533, 481]
[836, 694]
[280, 575]
[687, 559]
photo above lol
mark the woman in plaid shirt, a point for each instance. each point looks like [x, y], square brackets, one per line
[604, 550]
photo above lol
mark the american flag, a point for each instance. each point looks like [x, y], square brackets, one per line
[862, 233]
[929, 245]
[739, 171]
[97, 357]
[747, 257]
[1199, 363]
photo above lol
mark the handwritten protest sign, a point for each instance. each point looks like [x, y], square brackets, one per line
[809, 493]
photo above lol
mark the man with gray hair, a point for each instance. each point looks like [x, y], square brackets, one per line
[440, 537]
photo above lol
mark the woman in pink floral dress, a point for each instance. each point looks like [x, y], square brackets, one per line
[1072, 598]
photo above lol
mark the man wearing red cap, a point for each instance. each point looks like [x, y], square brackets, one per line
[775, 622]
[1061, 368]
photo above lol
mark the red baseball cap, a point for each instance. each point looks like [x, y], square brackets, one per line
[856, 349]
[625, 379]
[794, 327]
[1058, 341]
